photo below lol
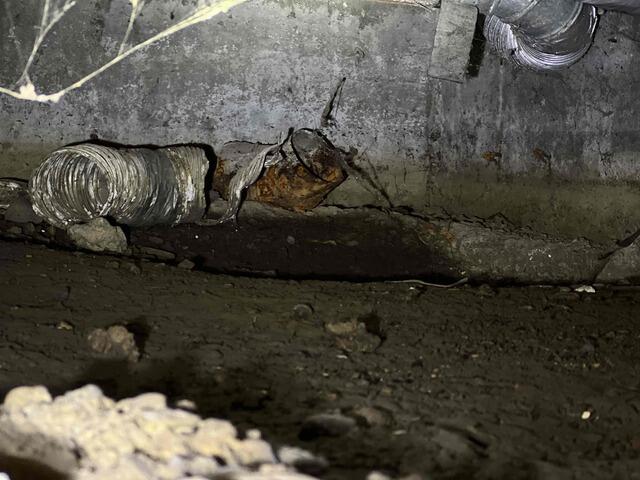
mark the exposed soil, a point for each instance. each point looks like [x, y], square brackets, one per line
[471, 382]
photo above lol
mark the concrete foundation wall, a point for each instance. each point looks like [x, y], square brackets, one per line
[557, 152]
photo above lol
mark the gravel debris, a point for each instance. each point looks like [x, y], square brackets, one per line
[88, 436]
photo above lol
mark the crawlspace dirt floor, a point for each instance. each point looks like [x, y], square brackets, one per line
[473, 382]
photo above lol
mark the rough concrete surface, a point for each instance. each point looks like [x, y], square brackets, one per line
[623, 264]
[359, 243]
[536, 148]
[466, 383]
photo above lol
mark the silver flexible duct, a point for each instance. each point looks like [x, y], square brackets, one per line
[541, 34]
[134, 186]
[545, 34]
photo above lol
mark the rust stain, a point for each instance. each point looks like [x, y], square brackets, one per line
[492, 157]
[295, 188]
[541, 155]
[290, 186]
[431, 233]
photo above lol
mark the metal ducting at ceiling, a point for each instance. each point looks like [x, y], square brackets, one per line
[541, 35]
[545, 34]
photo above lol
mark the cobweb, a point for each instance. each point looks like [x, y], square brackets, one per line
[54, 10]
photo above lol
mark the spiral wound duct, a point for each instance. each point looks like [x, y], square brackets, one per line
[541, 34]
[133, 186]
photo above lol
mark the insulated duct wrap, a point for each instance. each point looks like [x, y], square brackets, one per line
[541, 34]
[133, 186]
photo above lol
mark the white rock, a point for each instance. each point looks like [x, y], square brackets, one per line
[297, 457]
[253, 452]
[186, 404]
[585, 289]
[146, 401]
[89, 396]
[21, 397]
[377, 476]
[133, 439]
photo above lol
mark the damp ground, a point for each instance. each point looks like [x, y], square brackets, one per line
[474, 382]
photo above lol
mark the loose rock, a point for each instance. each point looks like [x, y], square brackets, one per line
[131, 268]
[21, 211]
[303, 311]
[62, 325]
[326, 424]
[354, 336]
[585, 289]
[302, 460]
[22, 397]
[455, 451]
[371, 416]
[98, 236]
[186, 264]
[115, 341]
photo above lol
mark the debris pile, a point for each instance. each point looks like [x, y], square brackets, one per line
[88, 436]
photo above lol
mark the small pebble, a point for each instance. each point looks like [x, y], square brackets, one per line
[371, 416]
[342, 328]
[302, 460]
[188, 405]
[585, 289]
[186, 264]
[326, 424]
[132, 268]
[115, 341]
[64, 326]
[485, 290]
[303, 311]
